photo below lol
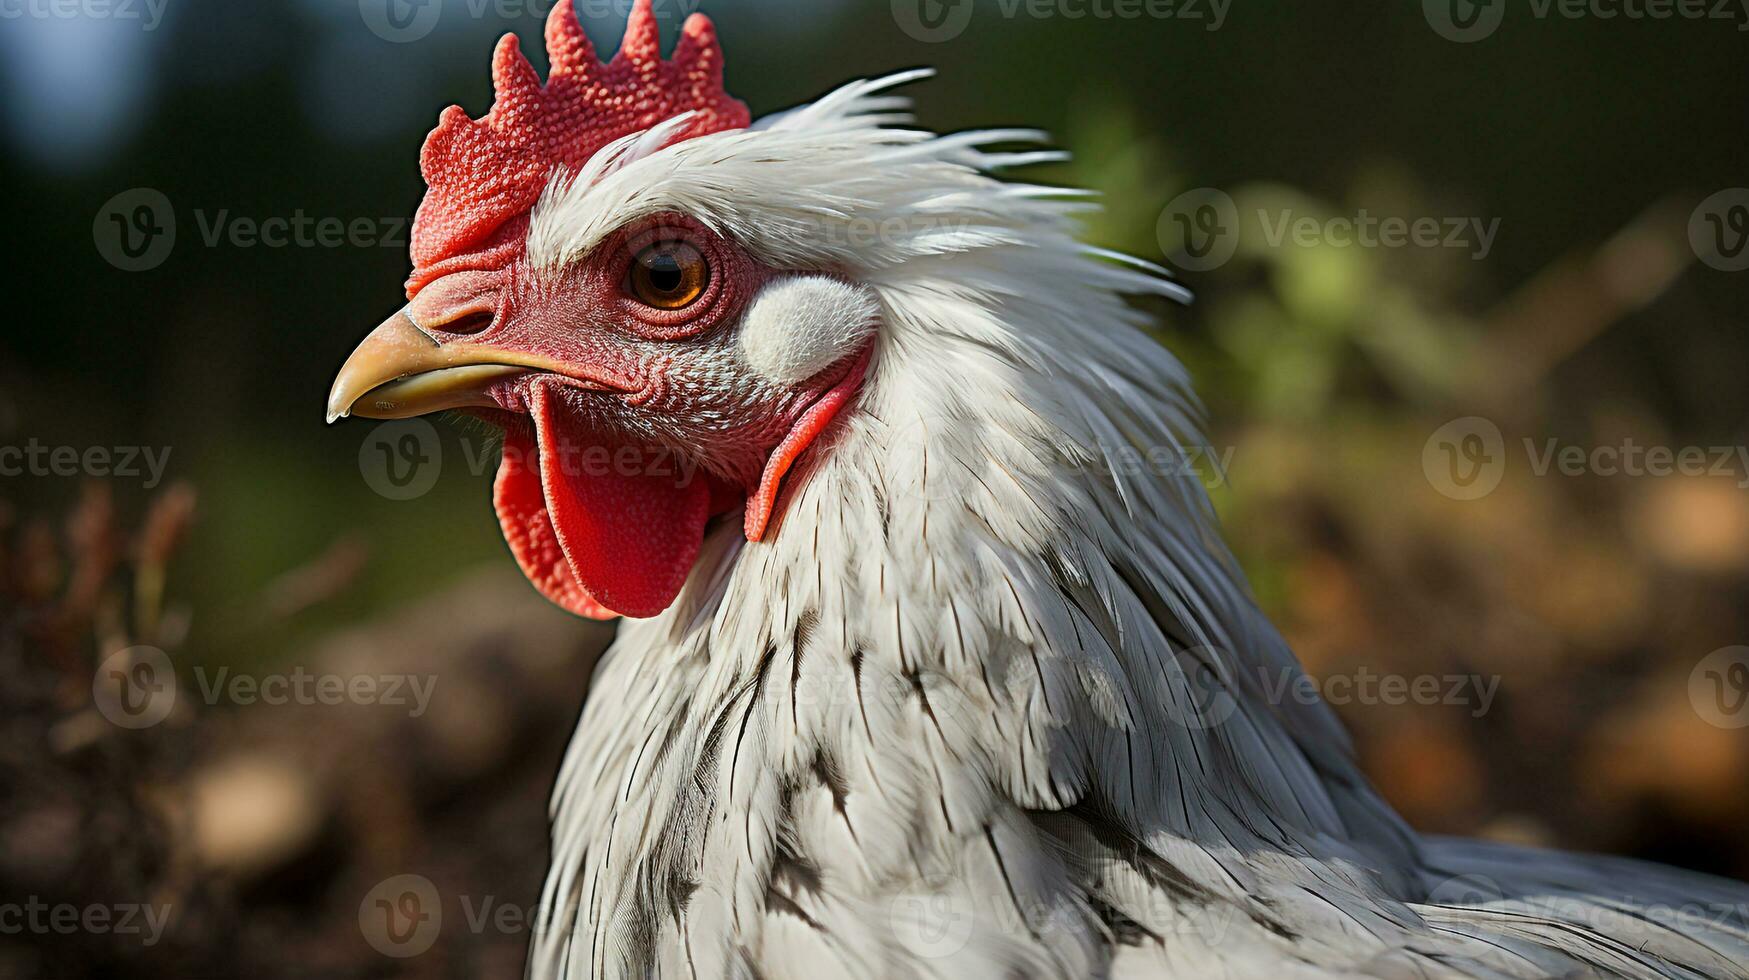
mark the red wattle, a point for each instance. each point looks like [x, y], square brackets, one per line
[605, 528]
[629, 520]
[522, 513]
[763, 504]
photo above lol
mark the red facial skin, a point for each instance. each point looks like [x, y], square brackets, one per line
[631, 378]
[612, 467]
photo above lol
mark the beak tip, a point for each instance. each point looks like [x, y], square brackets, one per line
[338, 406]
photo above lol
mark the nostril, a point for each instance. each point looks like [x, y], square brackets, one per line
[468, 323]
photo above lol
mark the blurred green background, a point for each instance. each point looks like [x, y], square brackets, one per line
[1326, 369]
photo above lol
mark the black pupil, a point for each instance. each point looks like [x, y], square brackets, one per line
[664, 271]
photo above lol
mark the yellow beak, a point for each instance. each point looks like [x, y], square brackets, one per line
[400, 371]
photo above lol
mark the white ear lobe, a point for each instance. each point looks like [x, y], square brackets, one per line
[798, 326]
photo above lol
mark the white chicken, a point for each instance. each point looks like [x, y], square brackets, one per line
[924, 679]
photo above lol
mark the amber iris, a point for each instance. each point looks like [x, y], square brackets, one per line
[668, 275]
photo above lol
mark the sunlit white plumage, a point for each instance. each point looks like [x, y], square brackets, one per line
[986, 702]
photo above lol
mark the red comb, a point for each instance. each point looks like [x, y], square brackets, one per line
[483, 173]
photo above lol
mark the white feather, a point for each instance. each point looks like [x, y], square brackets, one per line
[944, 721]
[799, 325]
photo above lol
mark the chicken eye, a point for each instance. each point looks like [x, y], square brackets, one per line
[668, 275]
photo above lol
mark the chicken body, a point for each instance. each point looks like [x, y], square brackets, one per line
[943, 670]
[989, 699]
